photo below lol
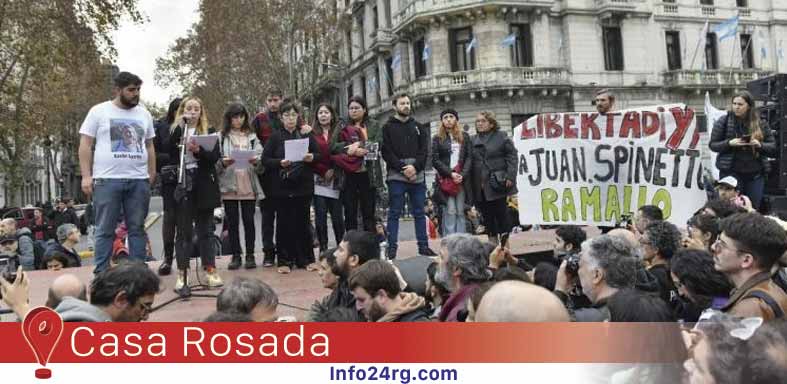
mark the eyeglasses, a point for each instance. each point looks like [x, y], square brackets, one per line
[146, 307]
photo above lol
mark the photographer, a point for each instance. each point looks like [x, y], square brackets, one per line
[606, 265]
[10, 258]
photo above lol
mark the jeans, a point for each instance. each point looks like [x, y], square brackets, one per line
[191, 220]
[417, 195]
[293, 238]
[750, 185]
[495, 215]
[246, 208]
[169, 226]
[454, 214]
[358, 190]
[323, 205]
[110, 198]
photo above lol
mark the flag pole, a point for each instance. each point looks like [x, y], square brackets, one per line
[703, 36]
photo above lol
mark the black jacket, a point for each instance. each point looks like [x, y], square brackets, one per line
[420, 314]
[66, 216]
[441, 155]
[205, 193]
[161, 143]
[301, 173]
[724, 131]
[405, 140]
[500, 155]
[73, 258]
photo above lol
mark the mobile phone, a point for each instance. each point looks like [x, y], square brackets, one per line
[746, 138]
[504, 239]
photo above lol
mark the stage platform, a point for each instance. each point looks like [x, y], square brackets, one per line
[297, 290]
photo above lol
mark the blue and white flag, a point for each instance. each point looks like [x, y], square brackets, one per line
[509, 40]
[396, 61]
[473, 44]
[427, 52]
[729, 28]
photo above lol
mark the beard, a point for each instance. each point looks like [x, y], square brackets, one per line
[342, 270]
[403, 112]
[129, 103]
[376, 312]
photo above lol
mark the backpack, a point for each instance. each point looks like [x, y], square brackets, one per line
[38, 251]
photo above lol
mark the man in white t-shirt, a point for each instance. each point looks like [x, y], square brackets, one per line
[119, 173]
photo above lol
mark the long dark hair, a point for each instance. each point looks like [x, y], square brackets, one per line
[173, 109]
[317, 127]
[752, 118]
[362, 101]
[235, 109]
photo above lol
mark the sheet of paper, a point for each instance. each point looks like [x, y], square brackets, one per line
[207, 142]
[295, 150]
[325, 189]
[242, 158]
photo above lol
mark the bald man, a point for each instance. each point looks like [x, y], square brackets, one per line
[625, 234]
[516, 301]
[65, 285]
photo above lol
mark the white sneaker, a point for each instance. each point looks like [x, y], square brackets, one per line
[180, 282]
[214, 280]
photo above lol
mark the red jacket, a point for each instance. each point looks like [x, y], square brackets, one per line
[325, 162]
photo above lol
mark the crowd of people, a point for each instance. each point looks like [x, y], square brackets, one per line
[725, 271]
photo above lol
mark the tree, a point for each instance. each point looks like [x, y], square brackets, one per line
[221, 60]
[53, 56]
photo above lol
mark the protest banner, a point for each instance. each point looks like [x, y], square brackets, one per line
[591, 169]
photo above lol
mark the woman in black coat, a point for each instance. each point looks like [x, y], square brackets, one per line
[493, 174]
[744, 144]
[197, 195]
[292, 188]
[451, 150]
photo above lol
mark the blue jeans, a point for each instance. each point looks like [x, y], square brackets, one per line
[417, 197]
[111, 199]
[454, 214]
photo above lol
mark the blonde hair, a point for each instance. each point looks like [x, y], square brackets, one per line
[456, 132]
[202, 124]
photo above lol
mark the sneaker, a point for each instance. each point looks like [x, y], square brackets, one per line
[284, 270]
[391, 253]
[426, 252]
[234, 263]
[180, 283]
[165, 268]
[249, 261]
[214, 280]
[268, 263]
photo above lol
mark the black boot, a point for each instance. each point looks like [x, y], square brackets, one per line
[269, 259]
[249, 261]
[234, 263]
[166, 266]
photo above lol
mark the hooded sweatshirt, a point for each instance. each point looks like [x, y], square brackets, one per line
[73, 310]
[26, 248]
[411, 308]
[405, 143]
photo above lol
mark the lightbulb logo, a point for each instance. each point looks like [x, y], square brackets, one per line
[42, 328]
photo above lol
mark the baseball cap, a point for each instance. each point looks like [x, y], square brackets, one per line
[729, 180]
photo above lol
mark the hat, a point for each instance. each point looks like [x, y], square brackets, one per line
[447, 111]
[729, 180]
[7, 238]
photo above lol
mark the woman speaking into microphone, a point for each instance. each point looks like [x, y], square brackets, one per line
[197, 193]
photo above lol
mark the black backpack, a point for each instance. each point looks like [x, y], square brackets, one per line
[38, 251]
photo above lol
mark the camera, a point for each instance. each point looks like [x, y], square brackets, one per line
[625, 221]
[8, 266]
[572, 263]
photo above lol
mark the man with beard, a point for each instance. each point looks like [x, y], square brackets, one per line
[462, 268]
[118, 180]
[405, 148]
[379, 296]
[265, 124]
[356, 248]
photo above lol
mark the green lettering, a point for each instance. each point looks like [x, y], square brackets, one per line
[613, 204]
[548, 206]
[592, 198]
[642, 196]
[569, 208]
[663, 196]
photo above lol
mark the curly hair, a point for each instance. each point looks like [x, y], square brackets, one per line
[572, 234]
[615, 257]
[722, 208]
[665, 237]
[694, 269]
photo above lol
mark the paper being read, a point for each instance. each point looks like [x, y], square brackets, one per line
[207, 142]
[295, 150]
[241, 158]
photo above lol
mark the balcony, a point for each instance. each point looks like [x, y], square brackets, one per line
[382, 39]
[603, 6]
[698, 79]
[413, 9]
[489, 79]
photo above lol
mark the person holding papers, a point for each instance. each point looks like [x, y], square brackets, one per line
[197, 193]
[329, 176]
[238, 182]
[292, 187]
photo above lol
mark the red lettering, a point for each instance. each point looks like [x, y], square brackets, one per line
[569, 126]
[553, 128]
[683, 118]
[662, 127]
[630, 122]
[527, 131]
[611, 124]
[540, 126]
[650, 123]
[588, 122]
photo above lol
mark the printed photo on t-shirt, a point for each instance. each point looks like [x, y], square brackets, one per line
[127, 135]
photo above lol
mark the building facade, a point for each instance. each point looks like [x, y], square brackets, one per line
[522, 57]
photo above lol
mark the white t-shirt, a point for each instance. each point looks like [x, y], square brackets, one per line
[456, 148]
[120, 140]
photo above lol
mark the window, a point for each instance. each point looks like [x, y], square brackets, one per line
[363, 88]
[349, 40]
[387, 9]
[517, 119]
[711, 52]
[522, 50]
[460, 59]
[613, 49]
[375, 21]
[360, 30]
[706, 2]
[673, 50]
[418, 54]
[742, 3]
[389, 75]
[747, 53]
